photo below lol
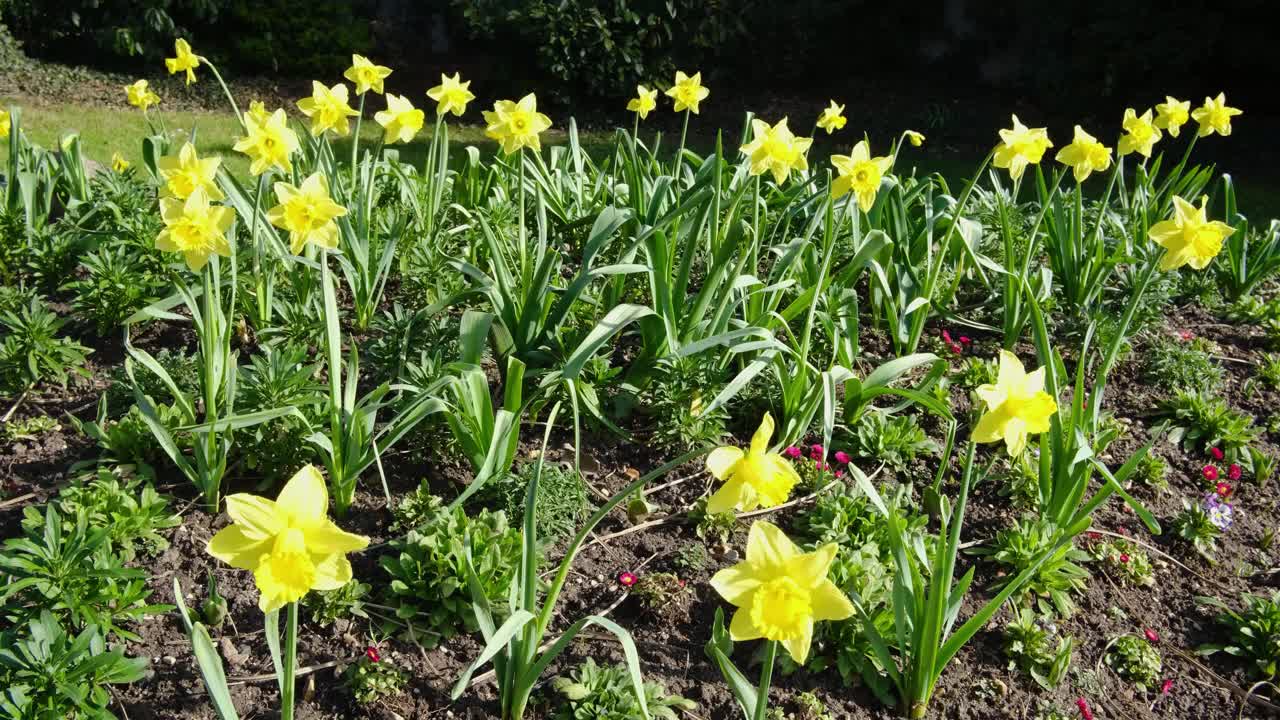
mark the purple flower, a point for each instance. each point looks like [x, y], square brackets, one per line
[842, 457]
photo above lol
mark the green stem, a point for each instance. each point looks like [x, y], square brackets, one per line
[218, 76]
[290, 663]
[355, 144]
[524, 251]
[259, 250]
[209, 335]
[766, 678]
[334, 353]
[679, 163]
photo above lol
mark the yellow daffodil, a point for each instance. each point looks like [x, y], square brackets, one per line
[307, 212]
[859, 173]
[194, 228]
[140, 95]
[781, 592]
[118, 163]
[328, 109]
[451, 95]
[1172, 114]
[289, 544]
[752, 479]
[1084, 155]
[185, 60]
[776, 149]
[832, 118]
[644, 101]
[268, 140]
[186, 171]
[366, 75]
[401, 119]
[915, 138]
[1214, 116]
[516, 124]
[1190, 238]
[5, 123]
[257, 111]
[1019, 147]
[688, 92]
[1141, 133]
[1017, 406]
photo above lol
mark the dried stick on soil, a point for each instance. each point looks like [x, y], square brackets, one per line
[1245, 697]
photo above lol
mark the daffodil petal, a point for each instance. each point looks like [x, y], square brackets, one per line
[233, 547]
[305, 498]
[798, 645]
[258, 517]
[768, 548]
[332, 572]
[721, 461]
[810, 569]
[741, 627]
[735, 584]
[830, 603]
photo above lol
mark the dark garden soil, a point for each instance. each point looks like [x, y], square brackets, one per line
[977, 685]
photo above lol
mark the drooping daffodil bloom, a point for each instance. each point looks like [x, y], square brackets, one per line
[269, 141]
[186, 60]
[754, 478]
[915, 138]
[289, 544]
[1085, 155]
[832, 118]
[328, 109]
[307, 212]
[1172, 114]
[118, 163]
[139, 95]
[366, 75]
[186, 171]
[1019, 147]
[516, 125]
[1017, 406]
[1190, 238]
[776, 149]
[401, 119]
[5, 123]
[644, 101]
[1214, 116]
[688, 92]
[195, 228]
[860, 174]
[451, 95]
[781, 592]
[1141, 133]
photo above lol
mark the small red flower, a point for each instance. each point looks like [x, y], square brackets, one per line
[839, 473]
[842, 457]
[792, 452]
[1216, 452]
[627, 579]
[964, 340]
[816, 452]
[955, 349]
[820, 466]
[1210, 472]
[1224, 490]
[1234, 472]
[1151, 635]
[946, 337]
[371, 652]
[1085, 714]
[1185, 334]
[1124, 558]
[1166, 687]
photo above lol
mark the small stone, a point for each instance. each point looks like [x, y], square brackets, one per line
[631, 473]
[169, 660]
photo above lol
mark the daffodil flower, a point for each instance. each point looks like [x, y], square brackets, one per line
[644, 101]
[1172, 114]
[1017, 406]
[781, 592]
[1214, 116]
[289, 544]
[1141, 133]
[186, 171]
[1085, 155]
[516, 125]
[451, 95]
[5, 123]
[776, 150]
[915, 138]
[859, 173]
[328, 109]
[832, 118]
[401, 119]
[186, 60]
[1019, 147]
[1190, 238]
[307, 212]
[688, 92]
[139, 95]
[118, 163]
[752, 479]
[269, 141]
[366, 75]
[194, 228]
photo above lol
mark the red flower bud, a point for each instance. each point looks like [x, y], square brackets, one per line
[964, 340]
[792, 452]
[1234, 472]
[1216, 452]
[1166, 687]
[946, 337]
[1084, 709]
[1124, 558]
[1223, 489]
[1151, 635]
[842, 457]
[1210, 472]
[371, 652]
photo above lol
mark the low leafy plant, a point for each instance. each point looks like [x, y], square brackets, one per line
[895, 440]
[1123, 558]
[28, 428]
[691, 557]
[280, 376]
[1196, 526]
[1269, 371]
[974, 372]
[32, 350]
[348, 601]
[182, 367]
[605, 692]
[1253, 632]
[562, 498]
[1135, 659]
[126, 506]
[679, 399]
[1029, 644]
[113, 288]
[662, 593]
[428, 570]
[1153, 472]
[1058, 577]
[716, 527]
[1175, 364]
[1201, 420]
[369, 680]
